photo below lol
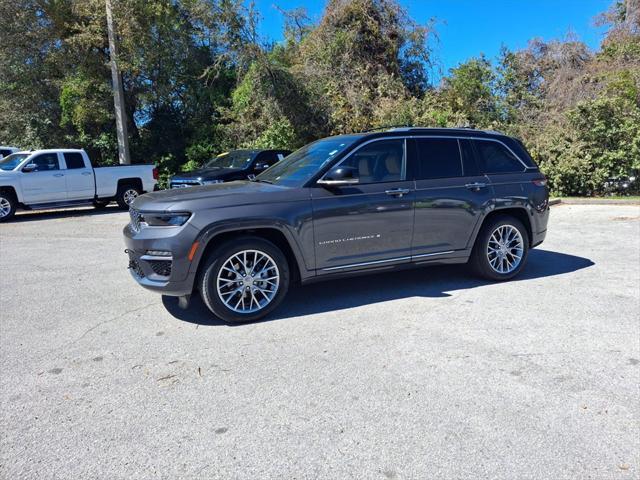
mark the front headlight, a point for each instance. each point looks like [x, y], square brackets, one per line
[211, 182]
[163, 219]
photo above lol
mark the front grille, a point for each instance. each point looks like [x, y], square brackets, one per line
[184, 183]
[161, 267]
[135, 219]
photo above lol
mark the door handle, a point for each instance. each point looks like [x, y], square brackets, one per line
[58, 174]
[86, 173]
[397, 192]
[475, 186]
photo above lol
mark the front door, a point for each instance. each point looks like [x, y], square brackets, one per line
[46, 183]
[450, 195]
[370, 223]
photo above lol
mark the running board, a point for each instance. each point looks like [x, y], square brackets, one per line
[54, 205]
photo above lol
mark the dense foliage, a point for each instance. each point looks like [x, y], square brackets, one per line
[198, 80]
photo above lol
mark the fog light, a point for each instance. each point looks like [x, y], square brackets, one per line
[158, 253]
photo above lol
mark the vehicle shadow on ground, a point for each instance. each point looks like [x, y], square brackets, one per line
[31, 216]
[339, 294]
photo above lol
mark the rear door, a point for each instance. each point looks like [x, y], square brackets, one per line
[79, 175]
[370, 223]
[450, 195]
[46, 183]
[503, 168]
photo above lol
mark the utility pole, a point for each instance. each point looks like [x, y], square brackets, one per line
[118, 94]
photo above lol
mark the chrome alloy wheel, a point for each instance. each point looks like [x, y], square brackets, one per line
[505, 249]
[130, 195]
[248, 281]
[5, 207]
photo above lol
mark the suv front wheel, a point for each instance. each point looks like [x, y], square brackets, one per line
[244, 279]
[501, 249]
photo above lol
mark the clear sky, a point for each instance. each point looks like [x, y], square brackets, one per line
[468, 28]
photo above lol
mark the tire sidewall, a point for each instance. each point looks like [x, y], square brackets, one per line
[208, 279]
[120, 195]
[480, 260]
[13, 205]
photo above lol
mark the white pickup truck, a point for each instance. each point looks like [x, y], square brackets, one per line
[62, 178]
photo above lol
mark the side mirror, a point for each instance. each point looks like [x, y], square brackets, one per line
[340, 175]
[29, 167]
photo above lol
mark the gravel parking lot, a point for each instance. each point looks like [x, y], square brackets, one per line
[413, 375]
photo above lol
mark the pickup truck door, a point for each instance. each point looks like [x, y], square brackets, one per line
[79, 175]
[371, 223]
[46, 183]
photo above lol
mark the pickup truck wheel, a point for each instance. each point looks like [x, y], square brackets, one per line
[127, 194]
[244, 280]
[501, 249]
[7, 206]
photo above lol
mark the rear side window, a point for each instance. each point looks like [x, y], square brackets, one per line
[496, 158]
[5, 153]
[73, 160]
[438, 158]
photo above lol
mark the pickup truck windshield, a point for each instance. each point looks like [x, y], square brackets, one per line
[12, 161]
[235, 159]
[301, 165]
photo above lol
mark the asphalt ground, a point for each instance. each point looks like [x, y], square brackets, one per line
[412, 375]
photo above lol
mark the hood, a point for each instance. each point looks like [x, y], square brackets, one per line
[207, 174]
[235, 193]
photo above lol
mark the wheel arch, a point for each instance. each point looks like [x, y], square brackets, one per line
[10, 190]
[520, 213]
[132, 181]
[213, 237]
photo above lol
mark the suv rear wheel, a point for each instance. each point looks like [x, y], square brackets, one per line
[245, 279]
[8, 205]
[501, 249]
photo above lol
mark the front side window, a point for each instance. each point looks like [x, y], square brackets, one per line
[299, 167]
[378, 162]
[46, 162]
[496, 158]
[438, 158]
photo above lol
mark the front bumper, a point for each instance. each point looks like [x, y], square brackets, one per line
[168, 275]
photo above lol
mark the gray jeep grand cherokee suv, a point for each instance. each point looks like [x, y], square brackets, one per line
[342, 206]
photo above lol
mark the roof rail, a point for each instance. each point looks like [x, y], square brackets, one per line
[386, 127]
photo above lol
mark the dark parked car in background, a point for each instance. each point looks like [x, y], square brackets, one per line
[342, 206]
[233, 165]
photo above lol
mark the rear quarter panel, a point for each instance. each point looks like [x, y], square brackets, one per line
[107, 178]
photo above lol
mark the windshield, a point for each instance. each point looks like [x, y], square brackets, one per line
[301, 165]
[234, 159]
[12, 161]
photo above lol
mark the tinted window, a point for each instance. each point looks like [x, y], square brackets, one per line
[4, 153]
[46, 162]
[74, 160]
[267, 157]
[469, 165]
[438, 158]
[495, 158]
[378, 161]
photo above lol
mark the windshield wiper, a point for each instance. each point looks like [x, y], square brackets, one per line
[259, 180]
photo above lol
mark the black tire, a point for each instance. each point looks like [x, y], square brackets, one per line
[8, 205]
[207, 283]
[479, 260]
[123, 193]
[100, 204]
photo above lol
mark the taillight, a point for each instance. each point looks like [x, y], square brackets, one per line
[155, 173]
[540, 182]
